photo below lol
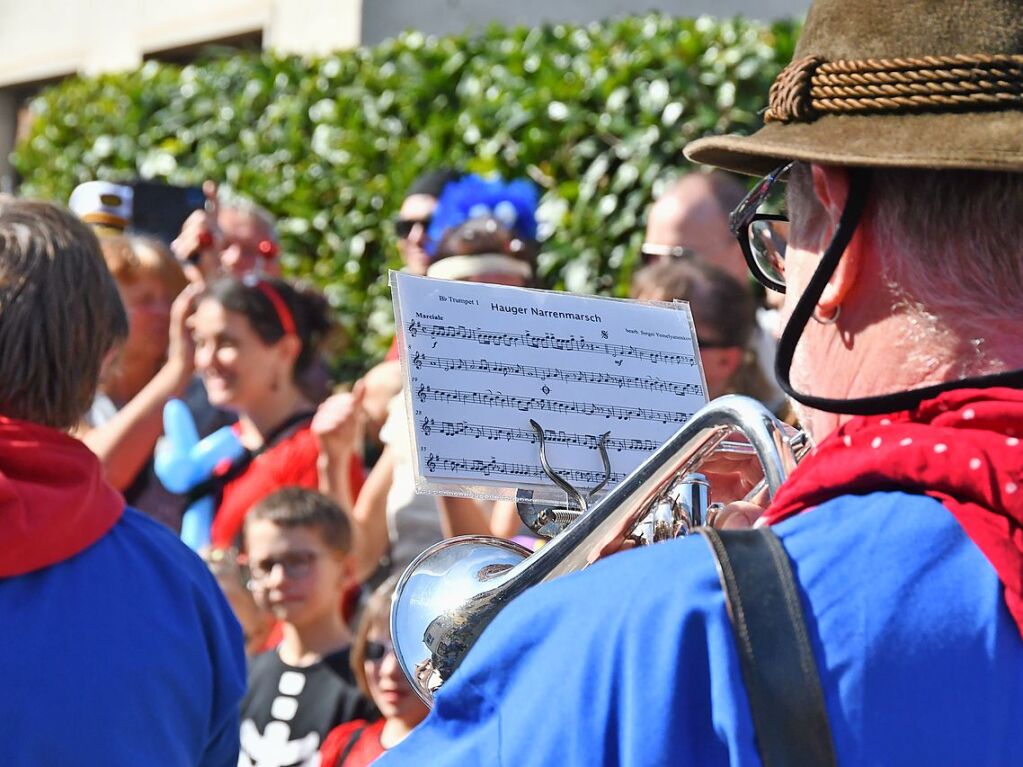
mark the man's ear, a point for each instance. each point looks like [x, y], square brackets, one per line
[831, 186]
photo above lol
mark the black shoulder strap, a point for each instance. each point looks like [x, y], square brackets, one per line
[350, 745]
[216, 483]
[777, 660]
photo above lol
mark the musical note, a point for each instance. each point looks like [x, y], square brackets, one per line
[413, 328]
[557, 374]
[558, 437]
[486, 468]
[550, 341]
[526, 404]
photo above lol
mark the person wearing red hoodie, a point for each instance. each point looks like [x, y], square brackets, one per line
[118, 647]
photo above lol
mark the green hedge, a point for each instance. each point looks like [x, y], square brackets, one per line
[595, 114]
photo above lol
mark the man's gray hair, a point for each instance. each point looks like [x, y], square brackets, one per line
[950, 242]
[231, 200]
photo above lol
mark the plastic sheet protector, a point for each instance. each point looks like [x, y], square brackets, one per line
[480, 362]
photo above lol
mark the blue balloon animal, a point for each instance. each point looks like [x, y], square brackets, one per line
[183, 461]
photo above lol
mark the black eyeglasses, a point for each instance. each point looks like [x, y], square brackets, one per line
[403, 226]
[375, 651]
[650, 253]
[763, 237]
[295, 564]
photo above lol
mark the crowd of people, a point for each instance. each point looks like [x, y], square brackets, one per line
[888, 308]
[306, 541]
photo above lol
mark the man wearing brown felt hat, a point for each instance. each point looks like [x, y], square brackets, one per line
[896, 136]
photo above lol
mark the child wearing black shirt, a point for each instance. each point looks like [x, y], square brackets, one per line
[298, 544]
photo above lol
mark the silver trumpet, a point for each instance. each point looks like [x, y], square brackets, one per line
[453, 590]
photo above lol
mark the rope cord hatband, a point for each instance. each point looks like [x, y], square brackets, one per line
[810, 87]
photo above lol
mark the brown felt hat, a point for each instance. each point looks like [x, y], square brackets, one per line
[895, 83]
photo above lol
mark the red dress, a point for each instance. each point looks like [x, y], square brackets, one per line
[363, 751]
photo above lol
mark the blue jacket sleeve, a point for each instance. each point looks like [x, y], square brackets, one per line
[557, 679]
[225, 643]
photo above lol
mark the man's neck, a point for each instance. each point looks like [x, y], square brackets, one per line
[306, 645]
[904, 352]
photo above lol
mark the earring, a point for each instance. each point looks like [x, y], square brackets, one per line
[828, 320]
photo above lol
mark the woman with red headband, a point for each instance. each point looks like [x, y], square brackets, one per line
[255, 340]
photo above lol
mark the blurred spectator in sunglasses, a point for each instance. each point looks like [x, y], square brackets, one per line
[691, 220]
[375, 666]
[724, 313]
[410, 227]
[415, 215]
[232, 237]
[484, 230]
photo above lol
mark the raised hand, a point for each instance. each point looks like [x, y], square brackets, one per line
[338, 423]
[198, 245]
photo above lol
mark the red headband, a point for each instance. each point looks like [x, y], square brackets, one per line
[280, 307]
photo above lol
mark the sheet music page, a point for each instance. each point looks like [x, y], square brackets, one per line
[481, 360]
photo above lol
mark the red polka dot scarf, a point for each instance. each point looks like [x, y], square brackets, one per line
[962, 448]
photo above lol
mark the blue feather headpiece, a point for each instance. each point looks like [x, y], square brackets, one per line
[513, 205]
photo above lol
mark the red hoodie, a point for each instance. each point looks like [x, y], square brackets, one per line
[54, 501]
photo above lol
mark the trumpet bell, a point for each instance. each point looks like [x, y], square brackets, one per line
[429, 605]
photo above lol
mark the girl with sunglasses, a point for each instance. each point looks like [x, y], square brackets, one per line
[376, 669]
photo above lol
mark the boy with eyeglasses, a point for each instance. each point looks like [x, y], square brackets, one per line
[298, 543]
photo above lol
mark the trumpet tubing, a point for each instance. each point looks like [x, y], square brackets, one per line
[449, 594]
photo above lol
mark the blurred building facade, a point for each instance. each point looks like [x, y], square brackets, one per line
[42, 41]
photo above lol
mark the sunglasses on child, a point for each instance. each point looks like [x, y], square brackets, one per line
[375, 651]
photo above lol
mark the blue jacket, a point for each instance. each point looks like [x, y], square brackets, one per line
[632, 662]
[124, 654]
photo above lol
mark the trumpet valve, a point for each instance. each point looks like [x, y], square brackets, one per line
[690, 496]
[662, 520]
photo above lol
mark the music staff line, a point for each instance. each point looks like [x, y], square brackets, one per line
[526, 404]
[546, 341]
[420, 360]
[486, 468]
[558, 437]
